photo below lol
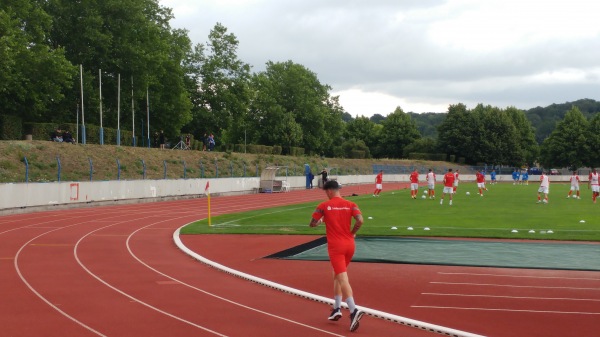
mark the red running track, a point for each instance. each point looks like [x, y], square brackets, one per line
[114, 271]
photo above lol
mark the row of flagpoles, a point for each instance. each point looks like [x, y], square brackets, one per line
[83, 134]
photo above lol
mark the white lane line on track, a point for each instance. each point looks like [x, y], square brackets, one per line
[513, 285]
[375, 313]
[16, 263]
[130, 296]
[523, 276]
[509, 310]
[516, 297]
[217, 296]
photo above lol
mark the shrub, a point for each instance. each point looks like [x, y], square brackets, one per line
[11, 127]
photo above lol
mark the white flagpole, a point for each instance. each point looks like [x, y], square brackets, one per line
[82, 109]
[100, 86]
[119, 111]
[132, 113]
[148, 115]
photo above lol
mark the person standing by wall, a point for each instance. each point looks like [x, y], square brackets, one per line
[161, 139]
[337, 213]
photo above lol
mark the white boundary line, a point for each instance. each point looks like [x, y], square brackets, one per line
[525, 276]
[508, 310]
[371, 312]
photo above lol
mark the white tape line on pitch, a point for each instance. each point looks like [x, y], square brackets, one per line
[371, 312]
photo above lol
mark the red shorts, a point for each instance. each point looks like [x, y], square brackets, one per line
[340, 255]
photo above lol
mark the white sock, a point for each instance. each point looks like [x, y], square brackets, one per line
[351, 305]
[338, 301]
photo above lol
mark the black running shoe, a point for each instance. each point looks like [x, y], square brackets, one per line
[335, 314]
[354, 318]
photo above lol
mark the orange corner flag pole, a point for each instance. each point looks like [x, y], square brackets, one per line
[207, 191]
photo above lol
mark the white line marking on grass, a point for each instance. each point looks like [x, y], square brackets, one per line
[512, 286]
[516, 297]
[267, 213]
[525, 276]
[509, 310]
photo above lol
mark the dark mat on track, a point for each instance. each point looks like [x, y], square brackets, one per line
[508, 254]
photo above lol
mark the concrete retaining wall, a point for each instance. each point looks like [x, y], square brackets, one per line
[22, 195]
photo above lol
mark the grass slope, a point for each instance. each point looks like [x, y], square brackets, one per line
[503, 208]
[43, 165]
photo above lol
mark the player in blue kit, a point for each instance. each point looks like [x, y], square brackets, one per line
[515, 176]
[493, 177]
[525, 177]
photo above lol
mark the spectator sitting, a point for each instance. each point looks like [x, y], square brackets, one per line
[67, 137]
[57, 136]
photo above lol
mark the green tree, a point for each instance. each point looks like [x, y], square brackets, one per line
[399, 130]
[289, 88]
[224, 93]
[362, 128]
[33, 76]
[494, 136]
[455, 133]
[593, 142]
[528, 150]
[567, 145]
[131, 38]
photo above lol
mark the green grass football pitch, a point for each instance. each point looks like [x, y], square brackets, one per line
[502, 210]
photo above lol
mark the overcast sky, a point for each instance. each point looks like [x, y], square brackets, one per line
[421, 55]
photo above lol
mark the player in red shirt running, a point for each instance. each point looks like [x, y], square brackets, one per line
[337, 214]
[448, 186]
[414, 184]
[378, 183]
[480, 177]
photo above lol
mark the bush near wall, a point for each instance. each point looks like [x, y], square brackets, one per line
[11, 127]
[427, 156]
[277, 150]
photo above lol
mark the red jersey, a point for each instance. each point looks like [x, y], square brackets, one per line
[337, 214]
[449, 179]
[379, 178]
[480, 177]
[414, 177]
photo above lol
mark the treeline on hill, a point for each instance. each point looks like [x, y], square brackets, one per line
[206, 88]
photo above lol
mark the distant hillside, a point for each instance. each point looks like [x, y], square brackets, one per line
[544, 119]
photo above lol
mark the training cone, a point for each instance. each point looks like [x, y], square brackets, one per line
[514, 231]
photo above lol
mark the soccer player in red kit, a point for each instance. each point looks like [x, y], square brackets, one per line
[337, 214]
[574, 186]
[480, 177]
[595, 184]
[448, 186]
[414, 184]
[455, 181]
[378, 183]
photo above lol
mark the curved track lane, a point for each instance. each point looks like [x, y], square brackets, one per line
[114, 271]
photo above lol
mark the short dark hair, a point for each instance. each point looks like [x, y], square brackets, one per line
[331, 185]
